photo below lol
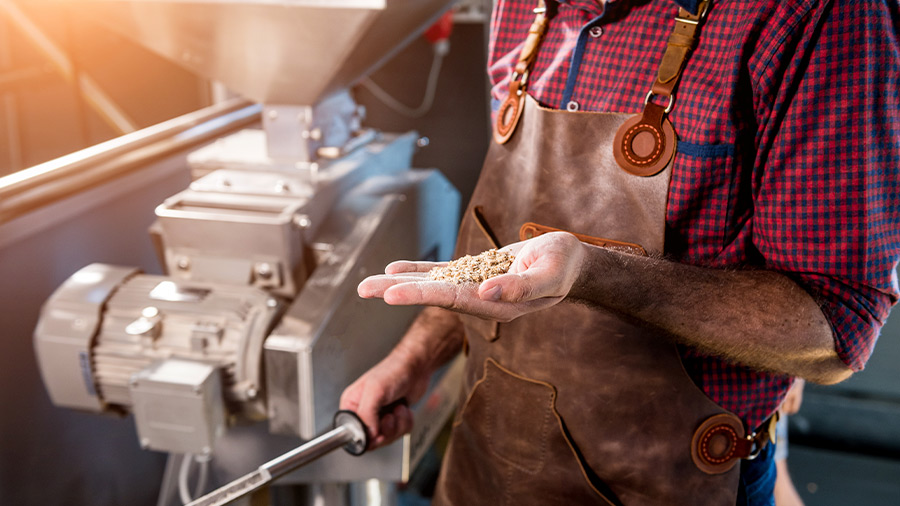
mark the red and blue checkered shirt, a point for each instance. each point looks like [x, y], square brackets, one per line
[788, 119]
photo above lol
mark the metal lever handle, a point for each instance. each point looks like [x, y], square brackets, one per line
[348, 433]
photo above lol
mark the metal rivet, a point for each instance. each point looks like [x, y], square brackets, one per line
[595, 31]
[572, 106]
[264, 270]
[423, 142]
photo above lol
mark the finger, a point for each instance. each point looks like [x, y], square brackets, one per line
[404, 419]
[350, 398]
[510, 288]
[401, 266]
[459, 298]
[534, 282]
[374, 286]
[427, 293]
[388, 426]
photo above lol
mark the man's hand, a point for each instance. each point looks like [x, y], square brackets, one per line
[541, 275]
[434, 337]
[391, 380]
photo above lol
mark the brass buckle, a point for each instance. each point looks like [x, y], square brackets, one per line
[701, 13]
[668, 108]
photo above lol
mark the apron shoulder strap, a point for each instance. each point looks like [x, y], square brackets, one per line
[645, 144]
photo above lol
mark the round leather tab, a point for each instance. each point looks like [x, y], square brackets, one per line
[508, 117]
[716, 443]
[644, 149]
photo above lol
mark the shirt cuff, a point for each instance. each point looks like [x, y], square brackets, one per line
[856, 313]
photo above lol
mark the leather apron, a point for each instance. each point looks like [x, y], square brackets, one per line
[574, 404]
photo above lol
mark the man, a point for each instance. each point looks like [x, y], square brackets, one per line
[739, 200]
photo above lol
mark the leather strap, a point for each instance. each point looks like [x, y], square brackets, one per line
[511, 110]
[681, 43]
[530, 230]
[645, 144]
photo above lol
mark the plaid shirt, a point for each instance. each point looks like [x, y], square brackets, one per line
[788, 118]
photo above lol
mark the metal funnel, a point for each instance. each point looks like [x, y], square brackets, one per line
[272, 51]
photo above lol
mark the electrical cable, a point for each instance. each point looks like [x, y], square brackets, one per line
[200, 487]
[184, 476]
[440, 48]
[183, 493]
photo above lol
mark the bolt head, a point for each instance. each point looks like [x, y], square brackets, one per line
[264, 270]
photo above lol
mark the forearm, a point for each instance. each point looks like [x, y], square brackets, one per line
[761, 319]
[435, 337]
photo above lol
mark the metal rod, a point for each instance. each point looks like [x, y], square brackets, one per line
[307, 452]
[349, 431]
[35, 187]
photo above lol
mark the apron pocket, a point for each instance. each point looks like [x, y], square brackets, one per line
[511, 447]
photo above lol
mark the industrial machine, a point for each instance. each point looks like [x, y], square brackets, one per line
[256, 317]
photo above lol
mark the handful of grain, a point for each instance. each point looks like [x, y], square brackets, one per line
[473, 269]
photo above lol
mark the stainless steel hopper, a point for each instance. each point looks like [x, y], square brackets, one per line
[273, 51]
[297, 57]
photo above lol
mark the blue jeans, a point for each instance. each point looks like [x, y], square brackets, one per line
[758, 479]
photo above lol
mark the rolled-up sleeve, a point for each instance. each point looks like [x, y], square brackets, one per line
[827, 173]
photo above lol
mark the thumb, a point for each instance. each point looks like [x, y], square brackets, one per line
[509, 288]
